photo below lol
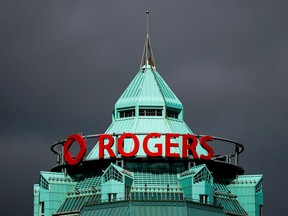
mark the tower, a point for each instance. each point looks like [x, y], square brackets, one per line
[147, 162]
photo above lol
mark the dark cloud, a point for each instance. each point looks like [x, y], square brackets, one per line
[63, 65]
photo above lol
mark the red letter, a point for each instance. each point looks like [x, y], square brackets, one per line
[82, 144]
[188, 145]
[169, 145]
[108, 146]
[157, 145]
[120, 145]
[208, 148]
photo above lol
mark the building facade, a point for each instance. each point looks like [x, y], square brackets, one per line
[148, 162]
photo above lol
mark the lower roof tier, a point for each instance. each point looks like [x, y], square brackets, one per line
[144, 181]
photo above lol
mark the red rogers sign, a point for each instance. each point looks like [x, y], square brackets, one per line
[107, 141]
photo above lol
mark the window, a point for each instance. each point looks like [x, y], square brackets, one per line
[203, 175]
[43, 183]
[261, 210]
[127, 113]
[150, 112]
[112, 173]
[41, 210]
[203, 198]
[173, 113]
[127, 192]
[112, 197]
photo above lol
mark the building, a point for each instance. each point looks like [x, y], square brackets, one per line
[148, 162]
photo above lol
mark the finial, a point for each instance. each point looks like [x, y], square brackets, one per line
[147, 16]
[147, 56]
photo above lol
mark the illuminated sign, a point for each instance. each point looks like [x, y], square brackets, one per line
[188, 144]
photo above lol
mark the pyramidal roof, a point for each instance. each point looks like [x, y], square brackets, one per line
[148, 88]
[147, 105]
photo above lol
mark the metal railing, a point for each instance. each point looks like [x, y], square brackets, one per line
[153, 199]
[232, 157]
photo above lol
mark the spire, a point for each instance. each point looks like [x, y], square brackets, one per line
[147, 56]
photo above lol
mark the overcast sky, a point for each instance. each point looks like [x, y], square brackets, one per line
[63, 65]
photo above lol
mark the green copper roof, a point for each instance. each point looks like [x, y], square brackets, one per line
[140, 208]
[249, 191]
[146, 125]
[148, 89]
[248, 180]
[76, 203]
[147, 93]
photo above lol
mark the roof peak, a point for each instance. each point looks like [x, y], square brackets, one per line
[147, 56]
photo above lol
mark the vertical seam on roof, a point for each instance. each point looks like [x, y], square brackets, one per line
[173, 98]
[155, 77]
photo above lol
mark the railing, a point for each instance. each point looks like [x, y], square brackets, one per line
[149, 199]
[231, 157]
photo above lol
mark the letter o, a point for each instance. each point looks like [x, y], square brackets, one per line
[120, 145]
[82, 144]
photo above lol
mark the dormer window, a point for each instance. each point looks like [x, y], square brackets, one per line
[126, 113]
[173, 113]
[150, 112]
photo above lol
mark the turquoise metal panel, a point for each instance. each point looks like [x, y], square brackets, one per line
[151, 94]
[248, 189]
[196, 182]
[170, 98]
[230, 205]
[131, 94]
[111, 210]
[112, 182]
[138, 208]
[227, 198]
[77, 202]
[164, 208]
[53, 189]
[89, 179]
[36, 199]
[148, 89]
[155, 179]
[146, 125]
[186, 185]
[203, 210]
[118, 126]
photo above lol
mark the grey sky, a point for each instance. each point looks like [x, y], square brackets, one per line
[63, 65]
